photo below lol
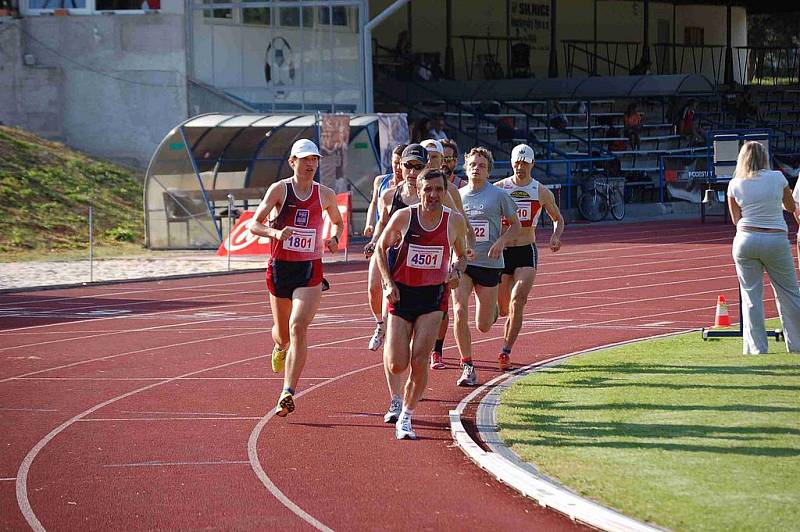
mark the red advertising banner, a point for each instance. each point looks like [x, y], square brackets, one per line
[243, 242]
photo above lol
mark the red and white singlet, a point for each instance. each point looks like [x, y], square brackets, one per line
[526, 198]
[304, 217]
[424, 255]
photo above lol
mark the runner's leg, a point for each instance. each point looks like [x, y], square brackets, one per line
[396, 353]
[461, 317]
[305, 303]
[281, 310]
[523, 283]
[424, 335]
[485, 307]
[504, 293]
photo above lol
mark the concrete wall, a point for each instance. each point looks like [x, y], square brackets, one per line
[32, 95]
[110, 85]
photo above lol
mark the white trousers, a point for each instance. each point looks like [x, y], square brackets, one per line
[753, 253]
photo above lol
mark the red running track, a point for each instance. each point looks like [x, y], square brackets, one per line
[147, 405]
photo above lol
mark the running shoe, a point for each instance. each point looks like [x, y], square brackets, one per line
[504, 361]
[403, 430]
[437, 361]
[395, 407]
[285, 405]
[278, 359]
[377, 338]
[468, 376]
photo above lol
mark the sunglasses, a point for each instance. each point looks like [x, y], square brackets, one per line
[412, 166]
[450, 159]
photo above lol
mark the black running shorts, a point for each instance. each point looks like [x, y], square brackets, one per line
[484, 276]
[284, 276]
[526, 256]
[416, 301]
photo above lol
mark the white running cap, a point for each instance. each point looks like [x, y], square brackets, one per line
[522, 152]
[433, 146]
[304, 148]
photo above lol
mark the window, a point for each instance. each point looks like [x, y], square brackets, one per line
[336, 16]
[693, 36]
[256, 15]
[222, 14]
[127, 5]
[290, 17]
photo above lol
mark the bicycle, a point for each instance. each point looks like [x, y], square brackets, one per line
[602, 196]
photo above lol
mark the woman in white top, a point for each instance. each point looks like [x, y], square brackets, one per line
[755, 196]
[796, 196]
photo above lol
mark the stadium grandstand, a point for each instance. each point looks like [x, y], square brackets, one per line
[626, 89]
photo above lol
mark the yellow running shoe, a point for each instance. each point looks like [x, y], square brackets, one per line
[278, 359]
[285, 405]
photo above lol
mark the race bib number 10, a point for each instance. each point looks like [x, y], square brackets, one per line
[524, 211]
[424, 257]
[301, 241]
[481, 228]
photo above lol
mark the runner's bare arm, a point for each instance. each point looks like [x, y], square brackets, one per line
[273, 199]
[384, 203]
[456, 232]
[453, 200]
[548, 200]
[509, 211]
[391, 236]
[373, 206]
[330, 206]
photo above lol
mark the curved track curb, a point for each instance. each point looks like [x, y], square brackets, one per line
[503, 464]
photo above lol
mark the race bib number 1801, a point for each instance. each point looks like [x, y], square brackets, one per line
[301, 241]
[424, 257]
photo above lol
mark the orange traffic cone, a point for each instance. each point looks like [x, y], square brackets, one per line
[722, 319]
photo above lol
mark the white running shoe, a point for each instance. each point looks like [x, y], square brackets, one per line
[468, 376]
[377, 338]
[395, 407]
[403, 430]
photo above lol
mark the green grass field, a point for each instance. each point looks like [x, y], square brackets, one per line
[685, 434]
[45, 193]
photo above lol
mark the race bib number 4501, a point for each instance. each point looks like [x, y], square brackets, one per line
[424, 257]
[481, 228]
[301, 241]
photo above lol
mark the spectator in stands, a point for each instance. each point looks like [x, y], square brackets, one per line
[437, 132]
[745, 110]
[404, 57]
[632, 122]
[419, 131]
[687, 125]
[615, 142]
[755, 197]
[558, 118]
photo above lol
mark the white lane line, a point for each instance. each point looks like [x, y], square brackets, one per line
[155, 288]
[24, 469]
[28, 410]
[194, 418]
[159, 312]
[8, 478]
[135, 379]
[527, 315]
[255, 463]
[162, 464]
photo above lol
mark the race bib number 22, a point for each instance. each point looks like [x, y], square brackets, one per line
[481, 228]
